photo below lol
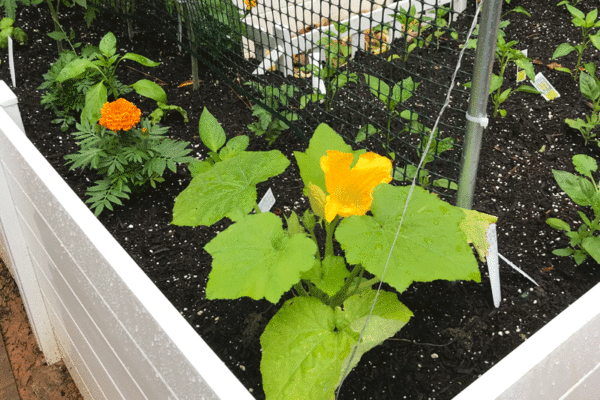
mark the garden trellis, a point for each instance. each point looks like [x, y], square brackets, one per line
[376, 71]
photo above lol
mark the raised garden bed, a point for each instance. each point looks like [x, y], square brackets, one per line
[457, 331]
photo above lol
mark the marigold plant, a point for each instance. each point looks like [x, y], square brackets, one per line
[119, 115]
[250, 4]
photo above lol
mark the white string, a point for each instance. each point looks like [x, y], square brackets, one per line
[347, 369]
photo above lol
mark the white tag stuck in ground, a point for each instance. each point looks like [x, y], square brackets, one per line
[267, 201]
[11, 62]
[493, 264]
[543, 85]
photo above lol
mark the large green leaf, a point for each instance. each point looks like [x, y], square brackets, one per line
[74, 69]
[309, 162]
[306, 346]
[146, 62]
[589, 86]
[475, 226]
[255, 257]
[578, 188]
[152, 90]
[228, 189]
[211, 132]
[592, 246]
[108, 45]
[95, 98]
[431, 244]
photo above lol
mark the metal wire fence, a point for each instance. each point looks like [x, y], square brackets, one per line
[376, 71]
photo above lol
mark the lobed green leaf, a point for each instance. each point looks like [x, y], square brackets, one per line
[307, 345]
[431, 244]
[228, 189]
[268, 265]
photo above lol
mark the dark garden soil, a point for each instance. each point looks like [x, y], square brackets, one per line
[456, 333]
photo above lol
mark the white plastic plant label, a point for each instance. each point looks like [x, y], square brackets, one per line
[493, 264]
[521, 75]
[267, 201]
[11, 62]
[543, 85]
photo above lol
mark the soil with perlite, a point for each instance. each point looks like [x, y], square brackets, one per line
[457, 333]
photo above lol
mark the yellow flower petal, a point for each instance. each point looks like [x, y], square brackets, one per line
[316, 196]
[350, 189]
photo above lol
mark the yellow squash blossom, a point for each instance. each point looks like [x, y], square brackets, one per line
[250, 4]
[351, 189]
[119, 115]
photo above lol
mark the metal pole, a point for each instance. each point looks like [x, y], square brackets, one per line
[480, 88]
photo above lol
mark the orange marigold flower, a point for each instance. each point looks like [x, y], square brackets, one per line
[250, 4]
[119, 115]
[351, 189]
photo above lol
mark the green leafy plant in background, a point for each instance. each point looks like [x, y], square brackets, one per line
[506, 53]
[412, 26]
[66, 98]
[10, 6]
[391, 98]
[587, 22]
[59, 34]
[438, 146]
[103, 63]
[589, 85]
[125, 156]
[337, 55]
[307, 345]
[224, 185]
[277, 99]
[8, 30]
[215, 27]
[583, 190]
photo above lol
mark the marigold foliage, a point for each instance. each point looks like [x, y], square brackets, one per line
[350, 189]
[119, 115]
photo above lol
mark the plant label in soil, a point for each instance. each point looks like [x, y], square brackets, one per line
[521, 75]
[543, 85]
[493, 264]
[11, 62]
[267, 201]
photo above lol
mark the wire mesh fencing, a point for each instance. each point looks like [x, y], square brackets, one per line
[376, 71]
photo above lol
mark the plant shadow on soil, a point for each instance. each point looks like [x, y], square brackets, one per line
[456, 333]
